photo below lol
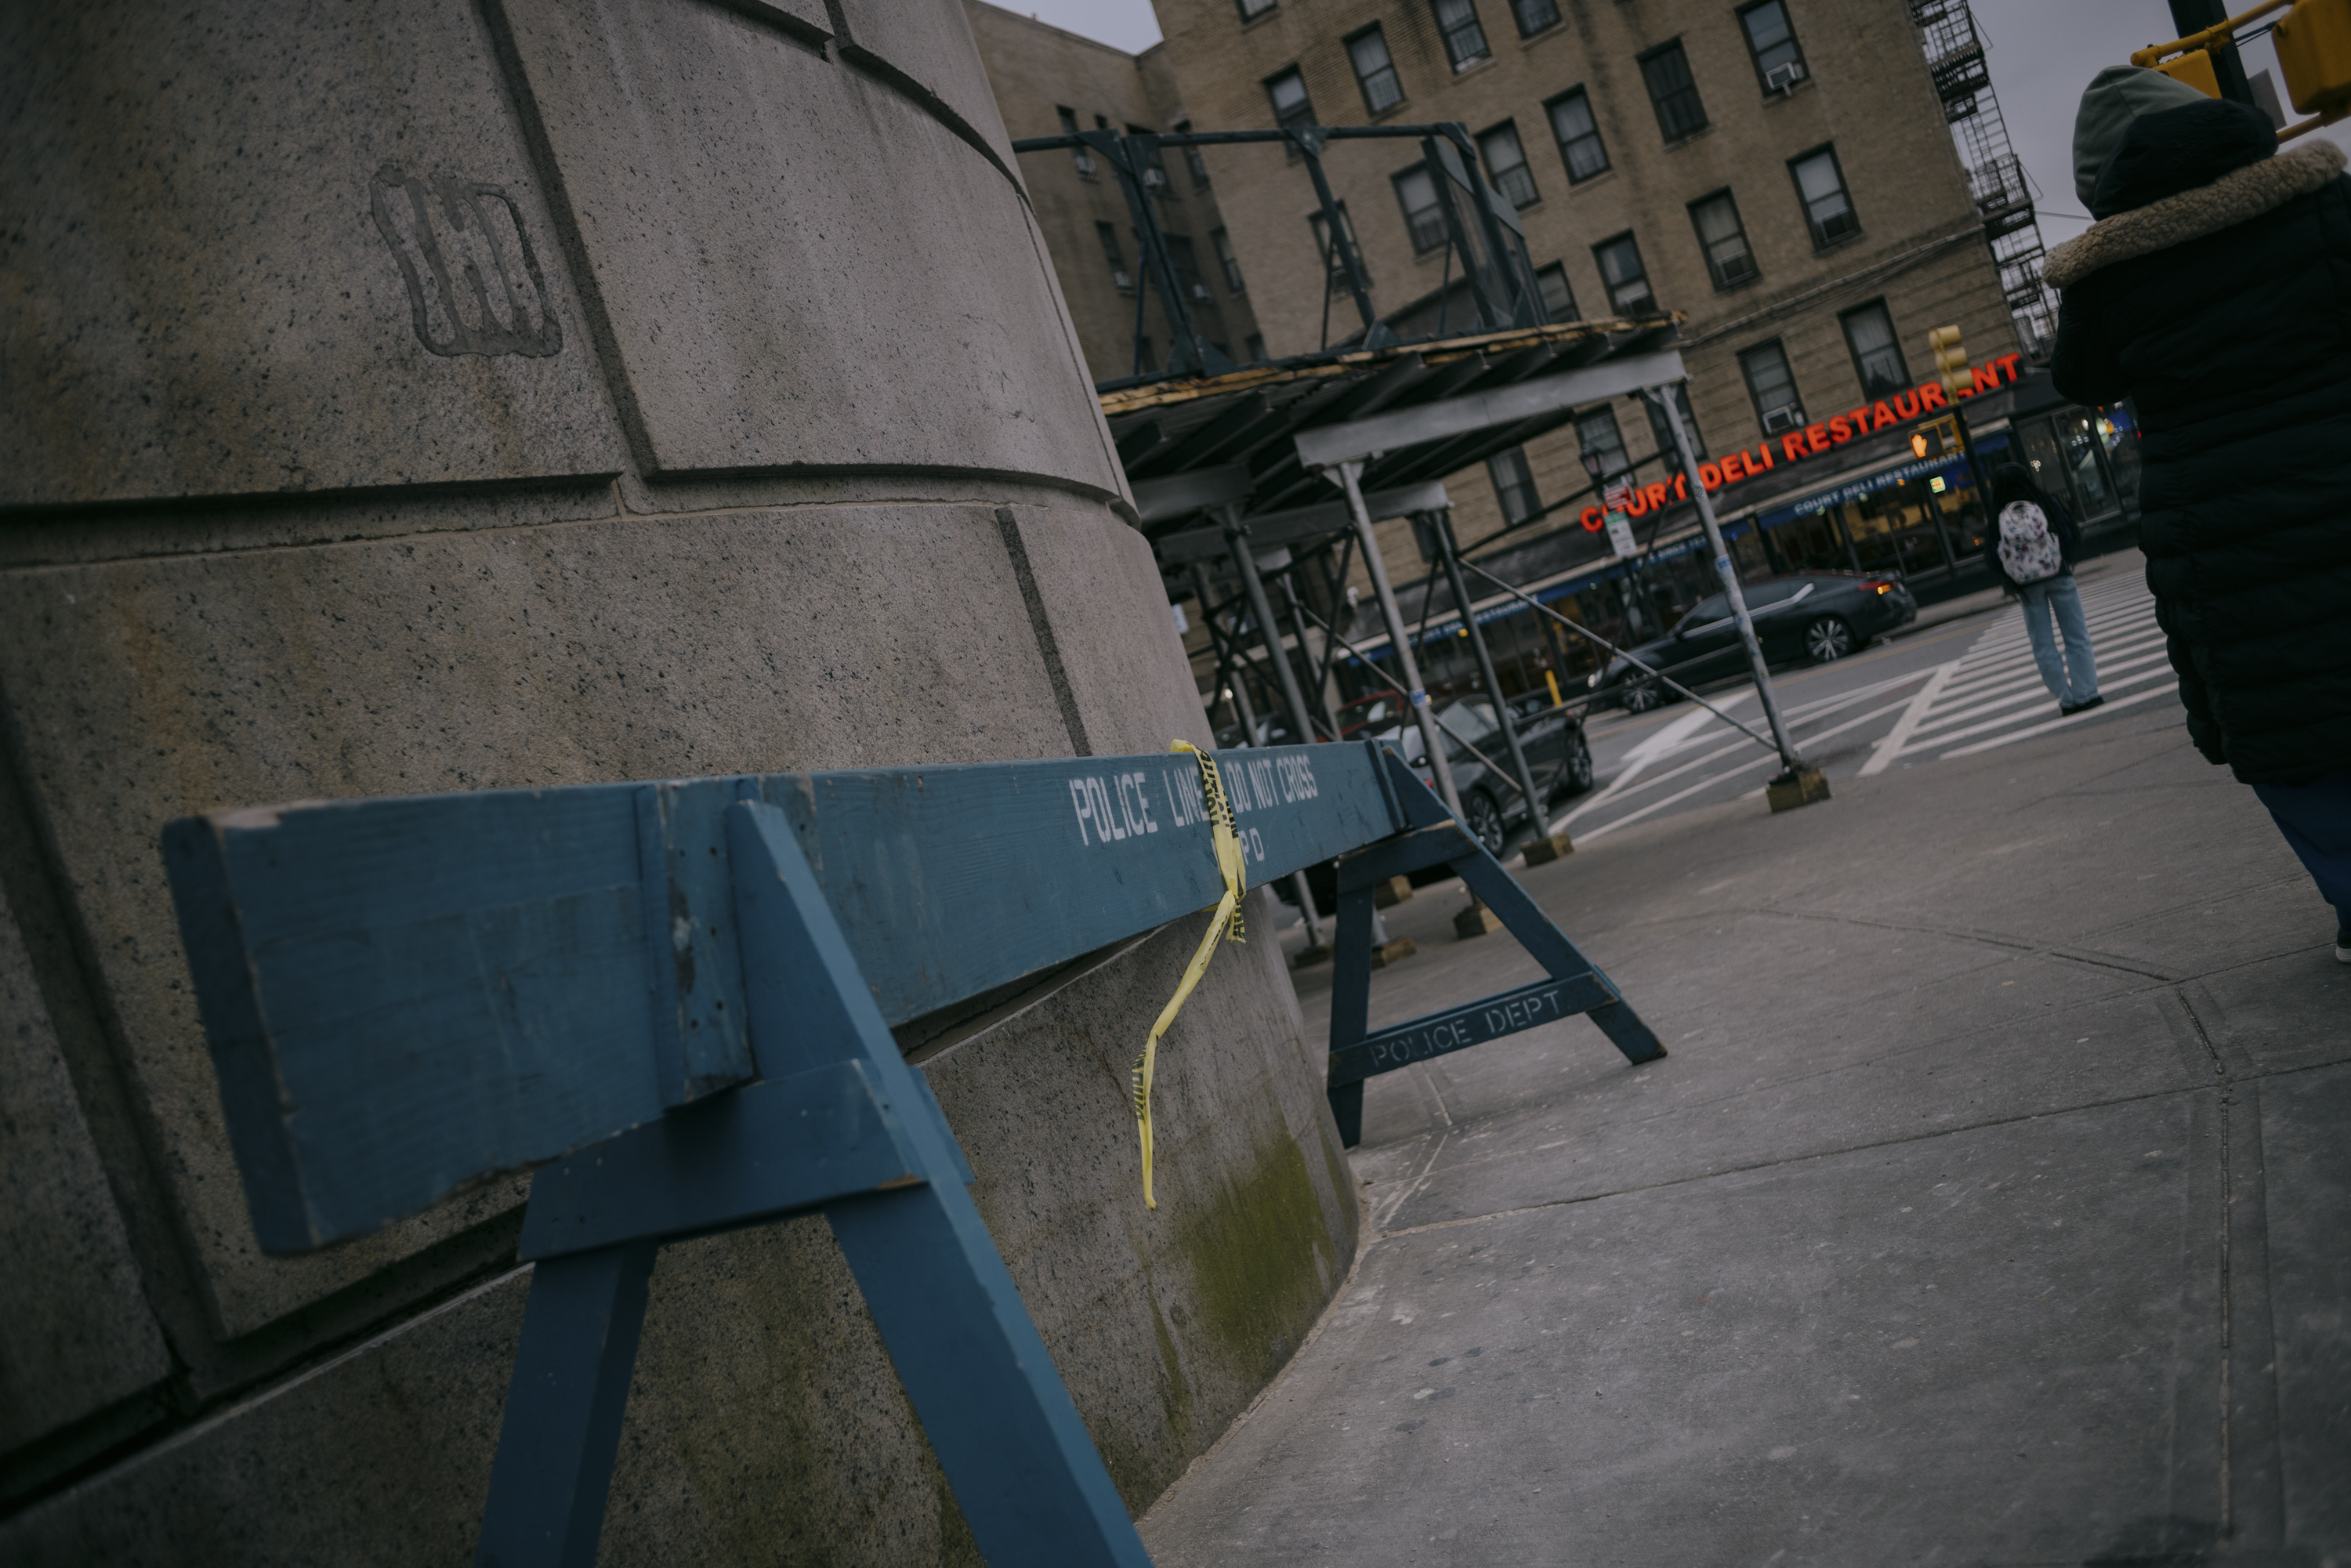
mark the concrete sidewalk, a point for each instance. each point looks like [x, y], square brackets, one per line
[1993, 1206]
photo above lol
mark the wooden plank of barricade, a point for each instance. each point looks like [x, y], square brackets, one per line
[1574, 984]
[406, 994]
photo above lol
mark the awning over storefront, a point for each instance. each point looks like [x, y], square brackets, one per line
[1953, 471]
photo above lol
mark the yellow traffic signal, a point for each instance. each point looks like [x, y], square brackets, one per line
[1936, 437]
[2194, 69]
[2313, 47]
[1951, 359]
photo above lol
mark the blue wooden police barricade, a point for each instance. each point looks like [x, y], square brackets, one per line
[674, 999]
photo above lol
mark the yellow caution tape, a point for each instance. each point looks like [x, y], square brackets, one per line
[1227, 923]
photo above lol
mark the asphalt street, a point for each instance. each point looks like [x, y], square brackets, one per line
[1952, 688]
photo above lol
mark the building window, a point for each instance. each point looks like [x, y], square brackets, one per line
[1254, 347]
[1506, 161]
[1668, 72]
[1514, 485]
[1197, 165]
[1416, 193]
[1778, 63]
[1252, 9]
[1877, 355]
[1597, 432]
[1579, 136]
[1288, 91]
[1663, 433]
[1083, 157]
[1728, 258]
[1772, 387]
[1118, 272]
[1375, 71]
[1465, 40]
[1558, 300]
[1322, 246]
[1626, 280]
[1222, 244]
[1186, 267]
[1820, 185]
[1534, 15]
[1154, 170]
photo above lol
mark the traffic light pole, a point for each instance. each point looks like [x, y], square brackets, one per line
[2191, 18]
[1951, 362]
[1975, 466]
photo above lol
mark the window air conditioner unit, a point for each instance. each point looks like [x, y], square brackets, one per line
[1120, 279]
[1200, 291]
[1086, 165]
[1153, 180]
[1778, 419]
[1783, 77]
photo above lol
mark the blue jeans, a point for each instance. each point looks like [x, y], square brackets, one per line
[2071, 676]
[2317, 821]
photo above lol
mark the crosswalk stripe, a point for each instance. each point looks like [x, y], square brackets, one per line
[2164, 690]
[2022, 652]
[1988, 651]
[1995, 690]
[2165, 673]
[2027, 678]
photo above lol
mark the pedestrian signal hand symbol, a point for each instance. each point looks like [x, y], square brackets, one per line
[1936, 437]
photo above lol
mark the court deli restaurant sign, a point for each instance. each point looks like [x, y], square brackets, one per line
[1813, 441]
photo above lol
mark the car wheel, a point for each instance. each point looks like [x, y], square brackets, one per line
[1485, 820]
[1641, 698]
[1828, 639]
[1577, 774]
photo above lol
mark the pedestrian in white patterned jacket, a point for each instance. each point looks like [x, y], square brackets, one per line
[2031, 547]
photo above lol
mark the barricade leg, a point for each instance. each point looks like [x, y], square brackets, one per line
[562, 1423]
[1559, 957]
[1022, 1465]
[1351, 1003]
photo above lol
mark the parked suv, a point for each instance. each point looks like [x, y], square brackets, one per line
[1818, 616]
[1557, 754]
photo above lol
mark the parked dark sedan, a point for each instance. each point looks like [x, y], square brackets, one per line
[1818, 616]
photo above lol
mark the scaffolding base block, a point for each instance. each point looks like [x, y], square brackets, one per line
[1802, 788]
[1542, 851]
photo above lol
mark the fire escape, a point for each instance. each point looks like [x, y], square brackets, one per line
[1955, 55]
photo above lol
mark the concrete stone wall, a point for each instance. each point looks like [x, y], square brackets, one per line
[431, 396]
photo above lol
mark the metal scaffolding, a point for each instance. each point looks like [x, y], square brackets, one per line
[2003, 198]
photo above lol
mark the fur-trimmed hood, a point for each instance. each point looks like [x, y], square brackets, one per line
[2234, 198]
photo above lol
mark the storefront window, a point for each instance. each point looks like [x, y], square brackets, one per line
[2119, 434]
[2089, 462]
[2090, 486]
[1928, 524]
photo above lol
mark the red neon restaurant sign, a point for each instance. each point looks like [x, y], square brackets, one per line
[1809, 441]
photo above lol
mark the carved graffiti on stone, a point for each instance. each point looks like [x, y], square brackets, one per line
[473, 283]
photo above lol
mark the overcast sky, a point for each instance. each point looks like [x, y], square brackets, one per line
[2043, 52]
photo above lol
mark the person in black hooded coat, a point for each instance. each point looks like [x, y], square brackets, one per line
[2214, 291]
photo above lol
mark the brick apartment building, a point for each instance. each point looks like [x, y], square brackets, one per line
[1782, 173]
[1050, 82]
